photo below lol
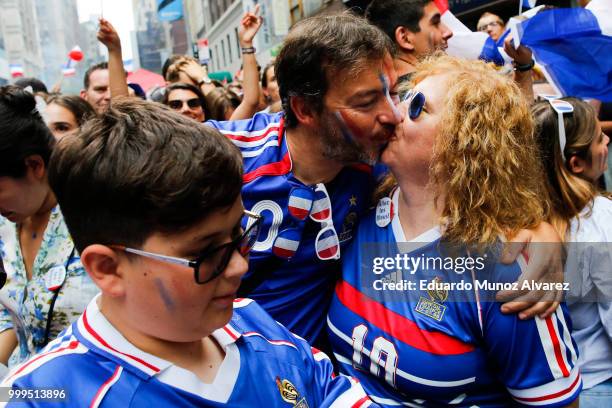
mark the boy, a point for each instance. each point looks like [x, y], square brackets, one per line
[153, 204]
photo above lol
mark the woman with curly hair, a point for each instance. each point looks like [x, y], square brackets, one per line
[575, 156]
[414, 317]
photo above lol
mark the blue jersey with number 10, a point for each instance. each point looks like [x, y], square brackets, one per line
[434, 347]
[295, 291]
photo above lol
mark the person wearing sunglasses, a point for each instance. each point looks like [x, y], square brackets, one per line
[187, 100]
[168, 257]
[574, 153]
[46, 286]
[465, 172]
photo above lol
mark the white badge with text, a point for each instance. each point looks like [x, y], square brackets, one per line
[384, 212]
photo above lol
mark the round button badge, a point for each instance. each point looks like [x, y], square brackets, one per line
[55, 277]
[384, 212]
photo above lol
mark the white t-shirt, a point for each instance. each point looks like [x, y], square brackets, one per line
[589, 271]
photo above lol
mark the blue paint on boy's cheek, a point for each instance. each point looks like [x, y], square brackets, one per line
[163, 292]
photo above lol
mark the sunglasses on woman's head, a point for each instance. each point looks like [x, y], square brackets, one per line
[178, 104]
[416, 102]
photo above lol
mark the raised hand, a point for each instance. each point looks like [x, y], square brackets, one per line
[108, 36]
[251, 21]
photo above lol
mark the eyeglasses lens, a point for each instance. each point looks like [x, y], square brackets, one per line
[194, 103]
[415, 108]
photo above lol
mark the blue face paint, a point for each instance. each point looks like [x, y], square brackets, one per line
[386, 91]
[164, 294]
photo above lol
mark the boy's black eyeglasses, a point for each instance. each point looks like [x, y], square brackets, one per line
[211, 263]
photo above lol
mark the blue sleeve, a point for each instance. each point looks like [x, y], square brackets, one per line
[536, 359]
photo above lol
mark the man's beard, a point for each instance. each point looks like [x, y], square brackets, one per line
[340, 147]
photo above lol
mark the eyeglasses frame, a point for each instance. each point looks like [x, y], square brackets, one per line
[196, 263]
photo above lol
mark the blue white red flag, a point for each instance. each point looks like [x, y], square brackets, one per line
[16, 70]
[574, 46]
[69, 69]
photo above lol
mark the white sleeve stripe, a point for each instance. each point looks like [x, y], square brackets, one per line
[255, 153]
[272, 137]
[242, 302]
[73, 347]
[561, 348]
[97, 400]
[553, 392]
[273, 342]
[250, 133]
[353, 397]
[553, 347]
[567, 338]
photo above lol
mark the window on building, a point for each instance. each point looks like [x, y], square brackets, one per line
[237, 43]
[229, 48]
[218, 64]
[296, 11]
[223, 51]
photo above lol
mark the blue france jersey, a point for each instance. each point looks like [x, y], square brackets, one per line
[416, 346]
[297, 291]
[264, 366]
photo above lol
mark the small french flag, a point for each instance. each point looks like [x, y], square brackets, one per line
[16, 70]
[69, 69]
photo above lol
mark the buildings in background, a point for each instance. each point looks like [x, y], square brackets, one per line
[58, 30]
[156, 40]
[4, 68]
[20, 33]
[218, 22]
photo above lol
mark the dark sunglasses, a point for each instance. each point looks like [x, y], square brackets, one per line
[178, 104]
[416, 102]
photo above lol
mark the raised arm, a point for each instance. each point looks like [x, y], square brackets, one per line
[523, 67]
[108, 36]
[248, 28]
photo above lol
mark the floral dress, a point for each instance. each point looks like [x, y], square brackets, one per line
[24, 305]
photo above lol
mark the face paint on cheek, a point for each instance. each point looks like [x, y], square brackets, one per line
[385, 84]
[163, 292]
[350, 132]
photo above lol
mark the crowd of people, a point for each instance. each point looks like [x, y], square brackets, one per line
[214, 246]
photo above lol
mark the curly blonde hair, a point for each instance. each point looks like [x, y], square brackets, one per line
[485, 170]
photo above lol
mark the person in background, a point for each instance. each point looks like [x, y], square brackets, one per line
[269, 87]
[47, 287]
[417, 30]
[66, 113]
[491, 24]
[583, 217]
[96, 87]
[187, 100]
[222, 103]
[188, 70]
